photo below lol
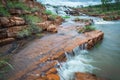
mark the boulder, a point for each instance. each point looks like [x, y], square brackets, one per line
[52, 28]
[44, 25]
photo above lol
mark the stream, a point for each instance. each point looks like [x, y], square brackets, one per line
[107, 54]
[102, 60]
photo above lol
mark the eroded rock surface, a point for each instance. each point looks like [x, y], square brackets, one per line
[86, 76]
[39, 58]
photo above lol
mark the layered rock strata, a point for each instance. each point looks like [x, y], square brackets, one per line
[40, 58]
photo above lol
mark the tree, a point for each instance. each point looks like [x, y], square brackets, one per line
[117, 1]
[106, 4]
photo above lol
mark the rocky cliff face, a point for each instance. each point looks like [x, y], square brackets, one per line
[12, 24]
[9, 28]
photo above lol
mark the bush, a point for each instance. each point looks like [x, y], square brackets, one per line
[34, 9]
[65, 17]
[32, 18]
[3, 11]
[32, 27]
[4, 67]
[17, 4]
[24, 33]
[53, 17]
[48, 12]
[87, 29]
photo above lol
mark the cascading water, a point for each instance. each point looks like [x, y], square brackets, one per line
[102, 60]
[77, 61]
[72, 3]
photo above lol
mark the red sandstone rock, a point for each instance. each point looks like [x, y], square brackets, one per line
[4, 21]
[86, 76]
[12, 21]
[44, 25]
[52, 28]
[6, 41]
[13, 31]
[53, 77]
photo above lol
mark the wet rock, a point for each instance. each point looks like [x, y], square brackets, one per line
[47, 51]
[86, 76]
[53, 77]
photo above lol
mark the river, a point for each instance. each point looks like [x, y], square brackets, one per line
[102, 60]
[107, 54]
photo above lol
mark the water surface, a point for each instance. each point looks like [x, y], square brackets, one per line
[107, 54]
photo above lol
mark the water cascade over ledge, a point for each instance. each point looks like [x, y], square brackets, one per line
[77, 61]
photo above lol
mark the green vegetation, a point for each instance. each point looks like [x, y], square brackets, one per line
[106, 4]
[65, 17]
[53, 16]
[34, 9]
[48, 12]
[106, 11]
[81, 20]
[33, 19]
[87, 29]
[3, 11]
[32, 27]
[4, 67]
[16, 4]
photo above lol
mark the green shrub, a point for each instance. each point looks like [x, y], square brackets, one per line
[34, 9]
[53, 16]
[32, 27]
[4, 67]
[65, 17]
[3, 11]
[87, 29]
[24, 33]
[17, 4]
[48, 12]
[33, 19]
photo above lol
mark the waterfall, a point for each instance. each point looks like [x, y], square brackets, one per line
[72, 3]
[77, 61]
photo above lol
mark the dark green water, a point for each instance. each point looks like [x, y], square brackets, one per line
[106, 55]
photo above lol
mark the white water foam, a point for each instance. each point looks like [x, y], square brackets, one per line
[69, 3]
[77, 62]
